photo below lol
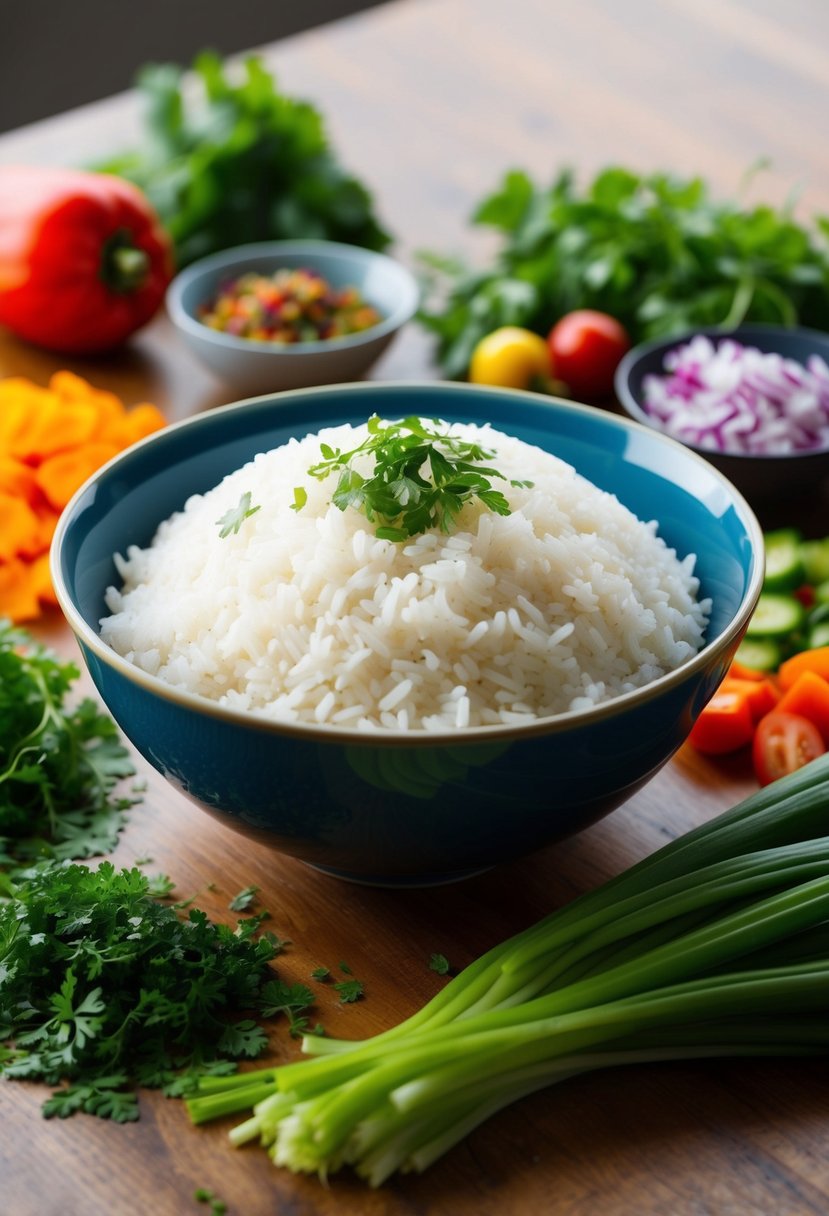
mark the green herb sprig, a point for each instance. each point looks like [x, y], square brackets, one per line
[106, 988]
[658, 252]
[234, 159]
[397, 494]
[60, 763]
[233, 519]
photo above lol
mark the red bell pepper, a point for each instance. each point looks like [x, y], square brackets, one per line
[84, 260]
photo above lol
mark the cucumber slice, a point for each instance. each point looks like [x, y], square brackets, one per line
[784, 565]
[819, 635]
[760, 654]
[775, 616]
[815, 556]
[822, 592]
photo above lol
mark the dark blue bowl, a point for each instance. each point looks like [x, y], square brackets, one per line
[760, 478]
[401, 808]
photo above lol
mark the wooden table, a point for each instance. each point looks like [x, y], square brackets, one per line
[430, 101]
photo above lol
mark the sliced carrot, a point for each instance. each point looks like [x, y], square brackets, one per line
[141, 421]
[65, 472]
[762, 695]
[41, 581]
[51, 440]
[18, 595]
[55, 425]
[18, 479]
[816, 661]
[809, 698]
[725, 724]
[19, 527]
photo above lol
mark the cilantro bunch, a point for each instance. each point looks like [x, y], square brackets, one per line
[397, 494]
[104, 986]
[657, 252]
[234, 160]
[60, 763]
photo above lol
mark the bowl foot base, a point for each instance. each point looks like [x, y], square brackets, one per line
[402, 882]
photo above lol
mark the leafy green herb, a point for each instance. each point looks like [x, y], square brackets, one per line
[217, 1206]
[159, 886]
[234, 160]
[439, 963]
[655, 251]
[106, 988]
[349, 991]
[60, 763]
[320, 973]
[251, 924]
[233, 519]
[243, 899]
[397, 493]
[716, 945]
[344, 967]
[289, 999]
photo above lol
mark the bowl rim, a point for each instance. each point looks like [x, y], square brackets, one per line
[643, 350]
[386, 736]
[228, 258]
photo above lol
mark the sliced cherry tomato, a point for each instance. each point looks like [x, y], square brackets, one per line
[784, 742]
[511, 357]
[586, 347]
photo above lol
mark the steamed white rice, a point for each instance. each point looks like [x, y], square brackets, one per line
[307, 617]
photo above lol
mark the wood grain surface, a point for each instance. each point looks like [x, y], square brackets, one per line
[430, 101]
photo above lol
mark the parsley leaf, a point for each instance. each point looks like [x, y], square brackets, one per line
[659, 253]
[397, 494]
[243, 899]
[439, 963]
[227, 157]
[233, 519]
[349, 990]
[60, 763]
[291, 999]
[104, 987]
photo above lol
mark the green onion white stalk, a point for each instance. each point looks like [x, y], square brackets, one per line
[717, 945]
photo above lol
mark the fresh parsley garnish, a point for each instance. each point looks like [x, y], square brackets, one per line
[243, 899]
[660, 253]
[398, 494]
[292, 1000]
[233, 519]
[320, 974]
[160, 886]
[440, 964]
[60, 763]
[349, 991]
[106, 988]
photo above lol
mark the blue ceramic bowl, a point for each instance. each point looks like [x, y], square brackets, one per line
[265, 367]
[759, 478]
[397, 808]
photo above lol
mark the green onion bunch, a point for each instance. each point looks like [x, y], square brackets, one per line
[717, 945]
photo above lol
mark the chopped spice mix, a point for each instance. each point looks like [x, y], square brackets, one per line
[287, 306]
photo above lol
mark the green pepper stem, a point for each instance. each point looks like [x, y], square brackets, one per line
[124, 267]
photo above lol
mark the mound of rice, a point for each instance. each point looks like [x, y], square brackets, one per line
[307, 617]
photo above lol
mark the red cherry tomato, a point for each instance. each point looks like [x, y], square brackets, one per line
[784, 742]
[585, 348]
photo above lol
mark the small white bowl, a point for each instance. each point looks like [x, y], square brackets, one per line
[253, 366]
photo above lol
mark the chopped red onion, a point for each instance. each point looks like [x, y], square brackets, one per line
[733, 398]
